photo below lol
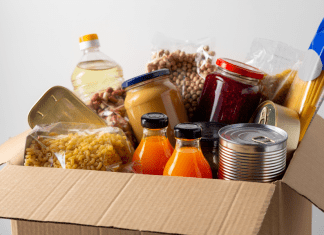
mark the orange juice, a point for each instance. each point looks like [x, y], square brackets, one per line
[152, 154]
[154, 149]
[188, 162]
[187, 159]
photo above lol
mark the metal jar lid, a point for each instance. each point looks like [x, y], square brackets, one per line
[145, 77]
[253, 138]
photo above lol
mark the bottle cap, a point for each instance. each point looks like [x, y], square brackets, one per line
[209, 132]
[154, 120]
[187, 131]
[89, 40]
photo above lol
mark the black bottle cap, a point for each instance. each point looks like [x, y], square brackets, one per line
[187, 131]
[209, 132]
[154, 120]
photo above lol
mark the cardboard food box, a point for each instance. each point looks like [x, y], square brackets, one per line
[58, 201]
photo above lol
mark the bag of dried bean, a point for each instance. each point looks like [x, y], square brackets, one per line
[189, 63]
[78, 146]
[109, 105]
[279, 62]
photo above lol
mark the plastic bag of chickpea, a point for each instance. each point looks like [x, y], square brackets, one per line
[78, 146]
[189, 63]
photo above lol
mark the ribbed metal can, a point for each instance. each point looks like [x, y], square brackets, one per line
[252, 152]
[287, 119]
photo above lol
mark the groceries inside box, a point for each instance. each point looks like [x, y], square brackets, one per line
[194, 145]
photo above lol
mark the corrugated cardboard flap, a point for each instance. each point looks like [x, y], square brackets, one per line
[305, 173]
[130, 201]
[13, 148]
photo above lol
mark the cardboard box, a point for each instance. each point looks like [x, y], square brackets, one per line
[58, 201]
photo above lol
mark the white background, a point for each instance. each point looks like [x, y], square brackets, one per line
[39, 42]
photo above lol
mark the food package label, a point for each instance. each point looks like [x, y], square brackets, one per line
[314, 58]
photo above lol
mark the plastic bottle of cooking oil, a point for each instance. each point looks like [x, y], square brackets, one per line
[95, 71]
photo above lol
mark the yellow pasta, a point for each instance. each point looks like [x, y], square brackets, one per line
[304, 97]
[81, 151]
[99, 166]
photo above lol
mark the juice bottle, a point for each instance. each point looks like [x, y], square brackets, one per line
[95, 71]
[154, 149]
[187, 159]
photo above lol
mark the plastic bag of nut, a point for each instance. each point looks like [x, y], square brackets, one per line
[189, 63]
[109, 105]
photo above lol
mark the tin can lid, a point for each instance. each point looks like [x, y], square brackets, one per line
[266, 113]
[240, 68]
[53, 104]
[145, 77]
[240, 137]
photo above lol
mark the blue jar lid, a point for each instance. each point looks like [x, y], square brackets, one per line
[145, 77]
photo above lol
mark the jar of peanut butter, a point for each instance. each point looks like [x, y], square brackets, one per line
[153, 92]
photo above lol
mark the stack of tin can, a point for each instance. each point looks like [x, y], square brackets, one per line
[252, 152]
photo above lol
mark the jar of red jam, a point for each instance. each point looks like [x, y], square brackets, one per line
[231, 94]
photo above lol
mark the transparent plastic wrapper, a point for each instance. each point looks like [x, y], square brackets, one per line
[109, 105]
[280, 62]
[79, 146]
[189, 63]
[307, 91]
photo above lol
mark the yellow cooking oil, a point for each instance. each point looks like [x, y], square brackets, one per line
[90, 77]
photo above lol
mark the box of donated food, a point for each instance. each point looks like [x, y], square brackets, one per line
[41, 200]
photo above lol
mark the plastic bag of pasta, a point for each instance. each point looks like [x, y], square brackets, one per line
[279, 62]
[306, 94]
[78, 146]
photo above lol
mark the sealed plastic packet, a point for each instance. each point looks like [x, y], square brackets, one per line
[130, 168]
[280, 62]
[307, 91]
[77, 146]
[109, 105]
[189, 63]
